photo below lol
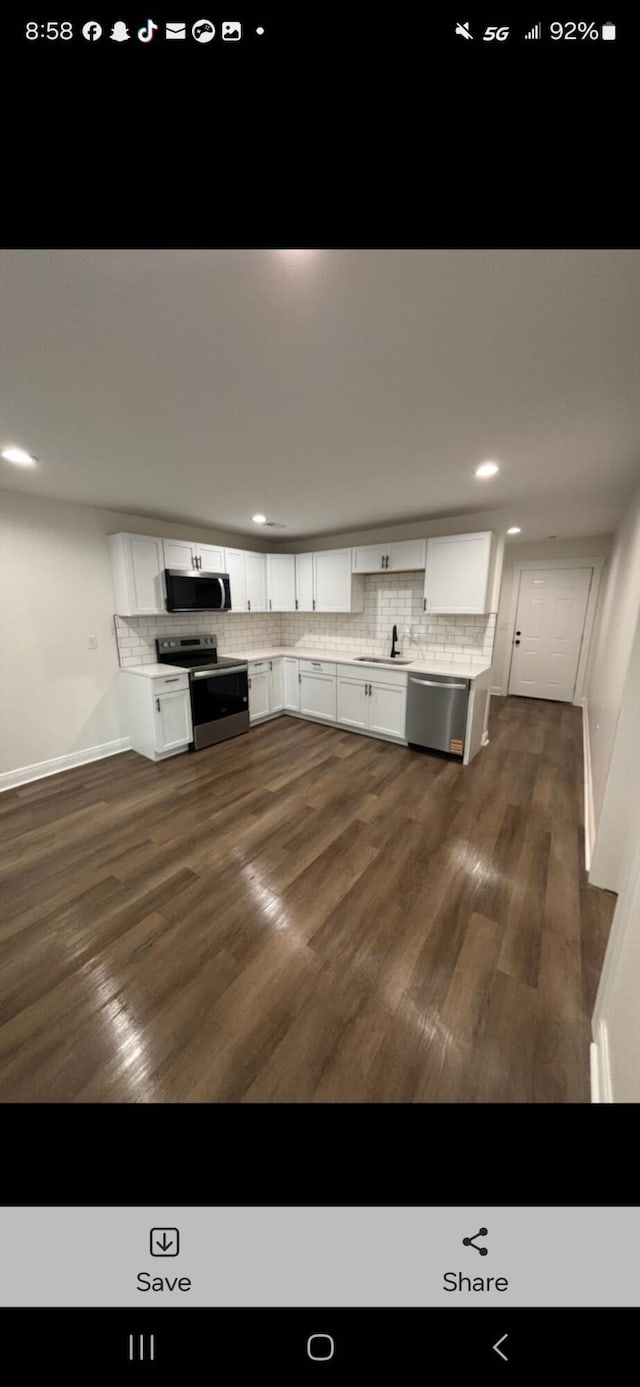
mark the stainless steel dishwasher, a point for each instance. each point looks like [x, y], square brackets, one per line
[437, 712]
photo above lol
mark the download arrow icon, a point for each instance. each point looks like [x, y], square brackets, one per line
[165, 1242]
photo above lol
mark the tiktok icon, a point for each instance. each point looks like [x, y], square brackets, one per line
[146, 34]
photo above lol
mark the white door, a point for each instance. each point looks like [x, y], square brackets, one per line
[304, 582]
[259, 702]
[457, 573]
[410, 553]
[332, 580]
[552, 604]
[234, 566]
[255, 577]
[318, 695]
[173, 720]
[179, 553]
[281, 582]
[291, 685]
[146, 565]
[211, 558]
[388, 709]
[277, 686]
[353, 702]
[370, 559]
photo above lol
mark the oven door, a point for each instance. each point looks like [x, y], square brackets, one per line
[219, 704]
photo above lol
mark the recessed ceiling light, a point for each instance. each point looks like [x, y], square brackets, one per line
[19, 456]
[259, 519]
[487, 469]
[514, 530]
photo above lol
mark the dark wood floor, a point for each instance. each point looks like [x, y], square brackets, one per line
[304, 914]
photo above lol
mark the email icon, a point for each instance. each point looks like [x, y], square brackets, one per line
[176, 31]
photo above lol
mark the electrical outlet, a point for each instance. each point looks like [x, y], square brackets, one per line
[92, 643]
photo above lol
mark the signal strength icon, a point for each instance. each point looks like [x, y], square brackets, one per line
[535, 33]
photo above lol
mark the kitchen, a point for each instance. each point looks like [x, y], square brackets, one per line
[326, 801]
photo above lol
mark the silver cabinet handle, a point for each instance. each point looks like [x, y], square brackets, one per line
[175, 680]
[435, 683]
[296, 604]
[248, 605]
[313, 604]
[158, 704]
[269, 604]
[424, 605]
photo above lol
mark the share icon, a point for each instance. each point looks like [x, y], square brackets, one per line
[471, 1242]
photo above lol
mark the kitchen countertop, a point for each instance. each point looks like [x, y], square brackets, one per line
[450, 669]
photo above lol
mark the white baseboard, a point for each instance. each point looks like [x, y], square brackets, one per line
[589, 815]
[497, 690]
[601, 1086]
[10, 779]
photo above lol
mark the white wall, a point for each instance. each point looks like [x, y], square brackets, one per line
[592, 546]
[611, 648]
[57, 697]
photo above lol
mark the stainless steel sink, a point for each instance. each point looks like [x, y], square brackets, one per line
[378, 660]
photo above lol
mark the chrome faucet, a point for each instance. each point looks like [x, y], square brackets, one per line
[394, 641]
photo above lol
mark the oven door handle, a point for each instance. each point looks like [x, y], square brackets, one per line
[215, 673]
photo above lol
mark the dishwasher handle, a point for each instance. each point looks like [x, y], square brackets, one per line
[435, 683]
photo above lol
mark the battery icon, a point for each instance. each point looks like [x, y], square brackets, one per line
[608, 31]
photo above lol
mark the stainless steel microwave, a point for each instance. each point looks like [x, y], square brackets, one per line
[197, 592]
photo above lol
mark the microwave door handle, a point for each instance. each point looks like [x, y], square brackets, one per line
[223, 595]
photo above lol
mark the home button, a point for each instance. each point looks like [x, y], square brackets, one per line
[320, 1347]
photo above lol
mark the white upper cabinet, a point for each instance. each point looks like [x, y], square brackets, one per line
[137, 569]
[408, 554]
[457, 573]
[370, 559]
[304, 582]
[335, 589]
[281, 582]
[255, 577]
[187, 554]
[179, 553]
[234, 566]
[390, 558]
[211, 558]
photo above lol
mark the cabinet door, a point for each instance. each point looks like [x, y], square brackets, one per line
[387, 709]
[332, 580]
[281, 582]
[456, 578]
[259, 701]
[172, 720]
[318, 695]
[255, 577]
[291, 685]
[145, 572]
[234, 566]
[179, 553]
[410, 553]
[370, 559]
[304, 582]
[353, 702]
[211, 558]
[277, 686]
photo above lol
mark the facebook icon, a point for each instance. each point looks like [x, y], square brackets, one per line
[91, 31]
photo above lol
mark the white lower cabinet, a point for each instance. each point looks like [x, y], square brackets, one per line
[291, 675]
[377, 704]
[318, 689]
[158, 713]
[352, 701]
[172, 720]
[266, 689]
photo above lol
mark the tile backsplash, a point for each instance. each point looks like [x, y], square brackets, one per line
[390, 599]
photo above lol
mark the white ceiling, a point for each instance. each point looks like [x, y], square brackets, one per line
[332, 390]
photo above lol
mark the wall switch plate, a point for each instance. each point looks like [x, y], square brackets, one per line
[92, 643]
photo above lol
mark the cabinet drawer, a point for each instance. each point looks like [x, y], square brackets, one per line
[317, 667]
[374, 674]
[169, 683]
[259, 666]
